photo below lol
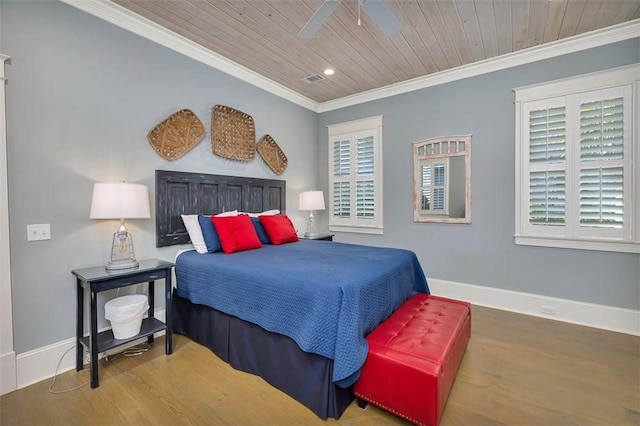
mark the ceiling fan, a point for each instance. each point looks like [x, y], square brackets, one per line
[376, 10]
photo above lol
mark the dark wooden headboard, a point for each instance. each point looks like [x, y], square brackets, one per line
[196, 193]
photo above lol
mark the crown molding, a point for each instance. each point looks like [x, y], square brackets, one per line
[601, 37]
[124, 18]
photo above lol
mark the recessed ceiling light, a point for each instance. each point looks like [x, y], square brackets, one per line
[329, 71]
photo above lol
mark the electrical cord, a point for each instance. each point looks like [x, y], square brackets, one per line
[55, 375]
[132, 351]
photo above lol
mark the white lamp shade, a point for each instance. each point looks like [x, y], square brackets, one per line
[311, 200]
[120, 201]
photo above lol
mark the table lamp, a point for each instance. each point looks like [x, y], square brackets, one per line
[311, 200]
[120, 201]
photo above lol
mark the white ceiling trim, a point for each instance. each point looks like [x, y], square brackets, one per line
[122, 17]
[601, 37]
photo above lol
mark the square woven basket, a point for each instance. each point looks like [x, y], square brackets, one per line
[233, 134]
[272, 154]
[176, 135]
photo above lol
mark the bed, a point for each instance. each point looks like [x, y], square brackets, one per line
[295, 314]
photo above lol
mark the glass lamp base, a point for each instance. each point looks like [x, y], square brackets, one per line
[122, 264]
[311, 226]
[122, 253]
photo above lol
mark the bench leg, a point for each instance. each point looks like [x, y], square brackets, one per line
[362, 403]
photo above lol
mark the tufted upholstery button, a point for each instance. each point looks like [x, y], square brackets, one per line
[414, 356]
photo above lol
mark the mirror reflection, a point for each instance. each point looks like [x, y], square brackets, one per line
[442, 179]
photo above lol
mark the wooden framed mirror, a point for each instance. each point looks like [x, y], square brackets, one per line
[442, 179]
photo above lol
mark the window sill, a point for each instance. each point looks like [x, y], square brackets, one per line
[356, 229]
[598, 245]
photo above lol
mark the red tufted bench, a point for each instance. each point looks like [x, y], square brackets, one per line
[413, 358]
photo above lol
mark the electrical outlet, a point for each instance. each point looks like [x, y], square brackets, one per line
[548, 310]
[38, 232]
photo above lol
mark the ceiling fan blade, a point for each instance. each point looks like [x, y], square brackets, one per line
[318, 18]
[383, 18]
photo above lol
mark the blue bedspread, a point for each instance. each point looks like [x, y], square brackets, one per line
[326, 296]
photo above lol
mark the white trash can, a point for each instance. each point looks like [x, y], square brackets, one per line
[125, 314]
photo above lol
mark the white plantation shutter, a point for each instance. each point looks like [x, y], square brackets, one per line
[547, 198]
[365, 200]
[355, 176]
[364, 156]
[547, 150]
[602, 144]
[433, 184]
[425, 204]
[439, 187]
[602, 130]
[575, 163]
[547, 135]
[341, 199]
[341, 158]
[601, 197]
[365, 188]
[341, 172]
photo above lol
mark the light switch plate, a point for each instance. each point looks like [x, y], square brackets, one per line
[39, 232]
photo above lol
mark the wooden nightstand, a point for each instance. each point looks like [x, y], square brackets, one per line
[320, 237]
[98, 279]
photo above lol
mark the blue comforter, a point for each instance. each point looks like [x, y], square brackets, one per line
[326, 296]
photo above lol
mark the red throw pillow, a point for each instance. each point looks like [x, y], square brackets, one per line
[279, 229]
[236, 233]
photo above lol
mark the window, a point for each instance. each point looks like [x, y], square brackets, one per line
[576, 140]
[355, 176]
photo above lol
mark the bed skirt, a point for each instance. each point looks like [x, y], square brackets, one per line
[276, 358]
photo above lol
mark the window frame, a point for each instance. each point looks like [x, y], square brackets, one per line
[572, 92]
[351, 131]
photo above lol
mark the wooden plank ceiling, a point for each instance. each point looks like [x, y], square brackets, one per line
[436, 35]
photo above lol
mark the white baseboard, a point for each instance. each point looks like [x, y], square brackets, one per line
[40, 364]
[589, 314]
[7, 372]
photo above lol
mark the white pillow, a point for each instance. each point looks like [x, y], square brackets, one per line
[195, 233]
[269, 212]
[229, 213]
[264, 213]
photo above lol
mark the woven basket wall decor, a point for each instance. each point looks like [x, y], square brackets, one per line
[177, 134]
[272, 154]
[233, 134]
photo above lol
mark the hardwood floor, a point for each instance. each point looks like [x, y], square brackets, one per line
[517, 370]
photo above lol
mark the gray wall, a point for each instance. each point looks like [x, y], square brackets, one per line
[483, 252]
[82, 96]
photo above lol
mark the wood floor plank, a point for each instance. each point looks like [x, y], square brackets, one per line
[517, 370]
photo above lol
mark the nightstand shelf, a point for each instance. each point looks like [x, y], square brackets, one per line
[106, 340]
[98, 279]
